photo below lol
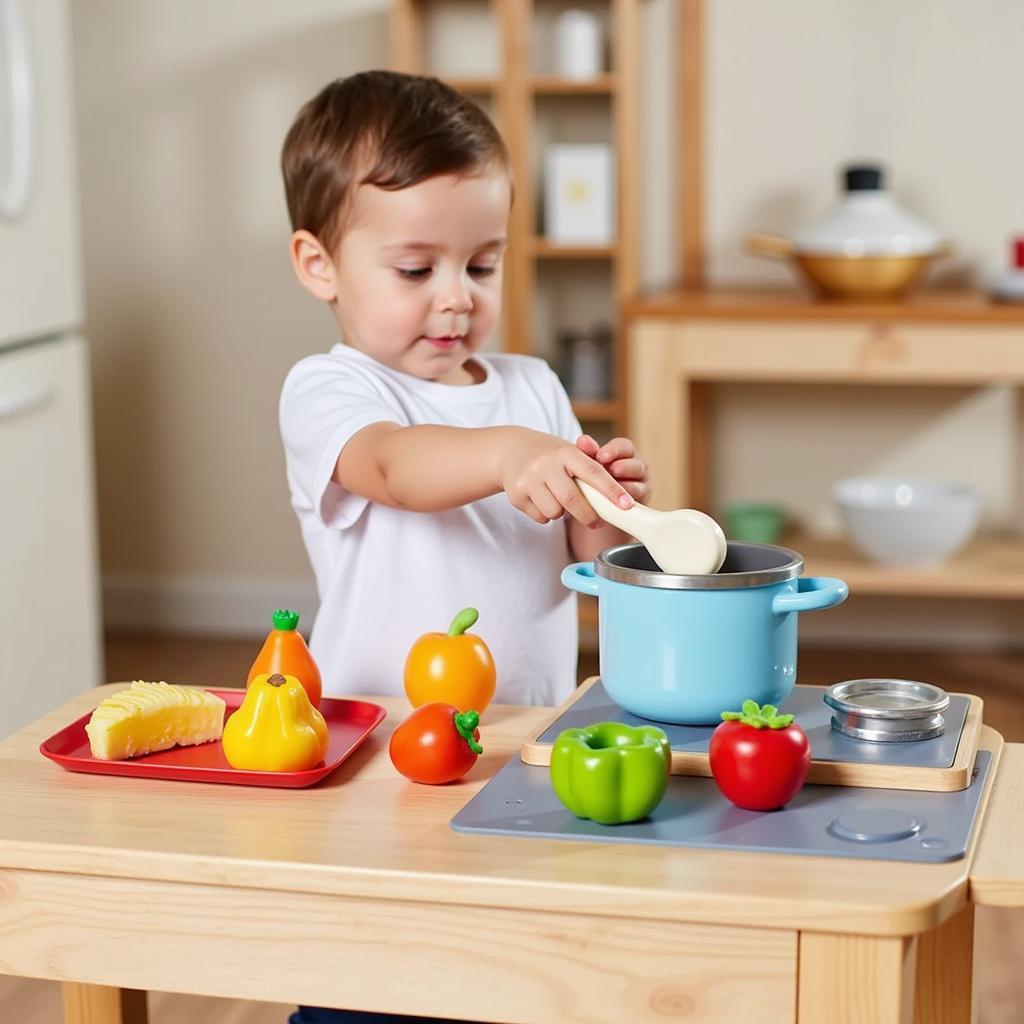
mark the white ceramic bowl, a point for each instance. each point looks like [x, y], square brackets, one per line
[907, 521]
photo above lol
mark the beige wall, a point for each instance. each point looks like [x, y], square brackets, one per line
[193, 312]
[194, 316]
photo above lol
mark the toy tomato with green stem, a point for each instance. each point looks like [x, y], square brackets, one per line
[759, 758]
[436, 744]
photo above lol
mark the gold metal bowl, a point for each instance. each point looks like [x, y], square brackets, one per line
[849, 277]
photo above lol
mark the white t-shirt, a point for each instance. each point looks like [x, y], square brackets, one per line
[386, 576]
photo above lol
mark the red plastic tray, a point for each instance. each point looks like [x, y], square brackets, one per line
[349, 722]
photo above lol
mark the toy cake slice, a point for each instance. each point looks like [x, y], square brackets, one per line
[148, 717]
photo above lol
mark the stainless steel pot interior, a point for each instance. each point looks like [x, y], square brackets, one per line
[745, 565]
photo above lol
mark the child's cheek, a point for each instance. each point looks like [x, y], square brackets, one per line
[488, 312]
[396, 317]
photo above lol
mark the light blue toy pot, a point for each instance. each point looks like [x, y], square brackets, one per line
[683, 649]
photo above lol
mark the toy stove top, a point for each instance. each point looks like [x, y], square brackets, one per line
[909, 801]
[834, 821]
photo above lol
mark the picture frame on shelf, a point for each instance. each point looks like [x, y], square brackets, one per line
[579, 194]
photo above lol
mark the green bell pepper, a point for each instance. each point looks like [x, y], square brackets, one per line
[611, 772]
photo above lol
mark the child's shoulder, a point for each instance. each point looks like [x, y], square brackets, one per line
[339, 361]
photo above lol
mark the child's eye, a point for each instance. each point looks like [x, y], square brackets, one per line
[482, 271]
[414, 274]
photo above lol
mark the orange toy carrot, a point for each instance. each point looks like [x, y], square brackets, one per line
[284, 651]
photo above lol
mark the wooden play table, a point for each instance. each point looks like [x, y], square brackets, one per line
[356, 893]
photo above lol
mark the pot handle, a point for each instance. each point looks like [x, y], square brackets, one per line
[773, 246]
[812, 593]
[580, 577]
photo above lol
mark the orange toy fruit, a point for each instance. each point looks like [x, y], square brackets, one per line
[285, 652]
[455, 668]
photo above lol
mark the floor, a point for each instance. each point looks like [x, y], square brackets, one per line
[996, 677]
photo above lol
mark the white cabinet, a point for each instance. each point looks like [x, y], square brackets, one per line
[49, 600]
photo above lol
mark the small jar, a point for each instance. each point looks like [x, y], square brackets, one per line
[578, 44]
[586, 361]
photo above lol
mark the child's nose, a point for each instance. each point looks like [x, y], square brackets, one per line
[453, 296]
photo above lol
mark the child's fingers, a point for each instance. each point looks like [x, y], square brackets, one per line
[599, 478]
[628, 469]
[547, 503]
[530, 509]
[616, 448]
[636, 488]
[571, 499]
[587, 445]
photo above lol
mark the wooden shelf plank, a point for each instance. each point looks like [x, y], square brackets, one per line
[545, 250]
[555, 85]
[792, 304]
[595, 409]
[990, 567]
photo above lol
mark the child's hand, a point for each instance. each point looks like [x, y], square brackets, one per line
[619, 457]
[538, 473]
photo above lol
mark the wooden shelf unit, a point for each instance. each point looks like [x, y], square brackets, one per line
[513, 90]
[596, 411]
[544, 250]
[680, 342]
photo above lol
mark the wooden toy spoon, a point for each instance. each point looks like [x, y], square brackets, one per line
[685, 542]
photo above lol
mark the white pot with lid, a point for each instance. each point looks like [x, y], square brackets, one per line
[867, 246]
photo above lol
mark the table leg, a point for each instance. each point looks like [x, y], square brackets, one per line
[855, 979]
[945, 959]
[101, 1004]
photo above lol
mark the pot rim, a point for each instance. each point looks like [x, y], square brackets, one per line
[789, 570]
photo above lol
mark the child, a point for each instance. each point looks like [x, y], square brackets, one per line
[427, 476]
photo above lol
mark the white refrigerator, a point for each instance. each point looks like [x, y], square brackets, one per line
[49, 590]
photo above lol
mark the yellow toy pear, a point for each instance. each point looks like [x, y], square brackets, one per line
[275, 729]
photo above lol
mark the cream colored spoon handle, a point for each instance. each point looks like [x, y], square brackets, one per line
[627, 519]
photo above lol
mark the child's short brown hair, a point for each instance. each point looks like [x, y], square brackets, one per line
[379, 128]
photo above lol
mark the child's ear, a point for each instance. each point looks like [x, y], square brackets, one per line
[313, 266]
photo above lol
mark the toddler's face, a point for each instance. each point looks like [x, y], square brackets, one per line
[418, 273]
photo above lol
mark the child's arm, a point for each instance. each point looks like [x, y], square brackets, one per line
[619, 457]
[433, 468]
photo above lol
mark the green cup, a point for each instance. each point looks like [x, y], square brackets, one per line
[757, 521]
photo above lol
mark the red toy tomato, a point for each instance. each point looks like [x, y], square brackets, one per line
[759, 758]
[436, 744]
